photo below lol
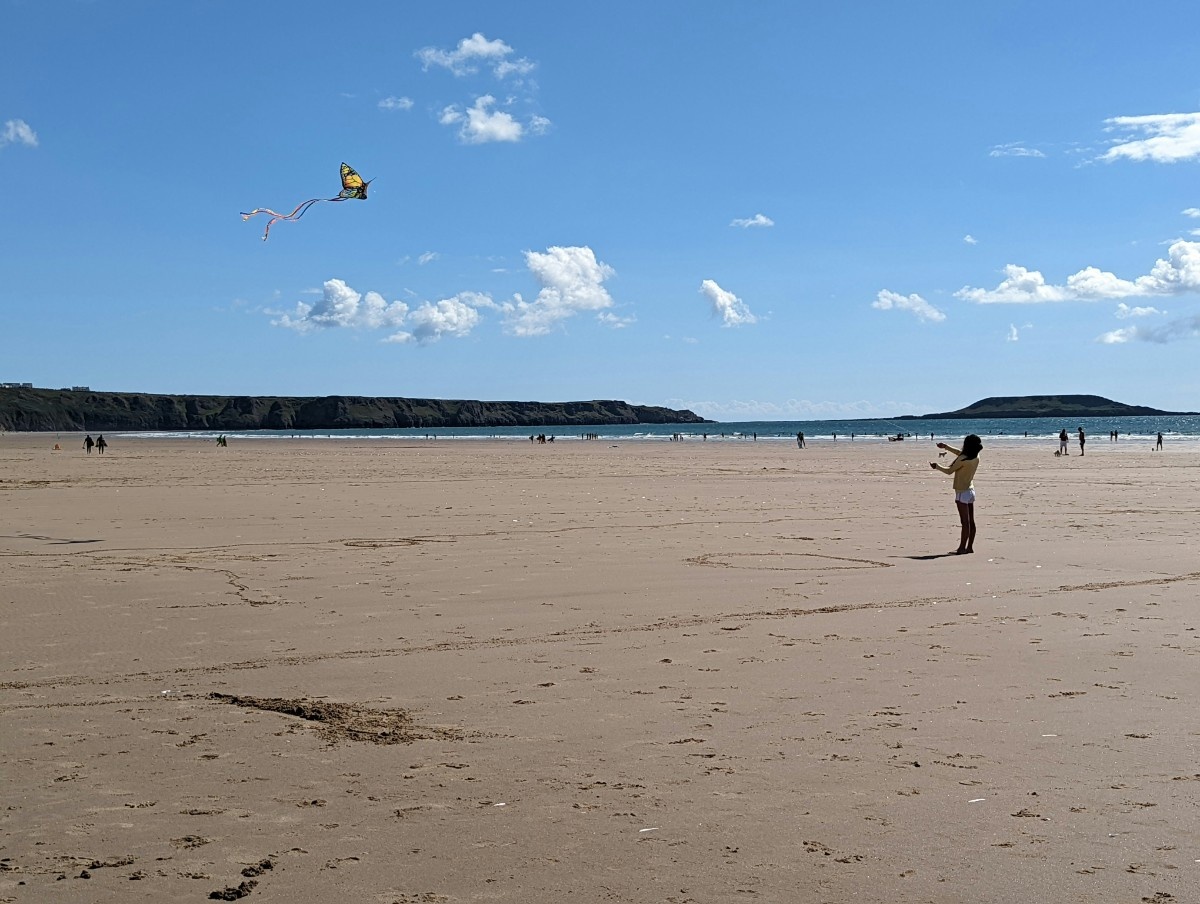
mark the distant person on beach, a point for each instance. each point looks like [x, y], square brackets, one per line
[1062, 441]
[88, 442]
[1082, 440]
[101, 445]
[964, 466]
[800, 440]
[1158, 445]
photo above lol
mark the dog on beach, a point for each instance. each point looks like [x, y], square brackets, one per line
[941, 455]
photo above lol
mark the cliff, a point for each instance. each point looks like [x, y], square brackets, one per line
[68, 410]
[1060, 406]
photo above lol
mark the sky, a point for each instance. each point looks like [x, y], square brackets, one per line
[756, 211]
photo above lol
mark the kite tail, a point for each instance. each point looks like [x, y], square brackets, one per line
[301, 210]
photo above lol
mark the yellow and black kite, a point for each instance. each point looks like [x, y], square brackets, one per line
[353, 186]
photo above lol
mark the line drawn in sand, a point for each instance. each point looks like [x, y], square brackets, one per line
[783, 561]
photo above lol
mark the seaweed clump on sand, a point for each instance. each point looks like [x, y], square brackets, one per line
[342, 721]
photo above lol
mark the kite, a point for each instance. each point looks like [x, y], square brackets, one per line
[353, 186]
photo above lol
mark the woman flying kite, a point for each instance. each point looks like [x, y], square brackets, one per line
[353, 186]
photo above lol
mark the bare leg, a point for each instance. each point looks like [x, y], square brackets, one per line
[966, 517]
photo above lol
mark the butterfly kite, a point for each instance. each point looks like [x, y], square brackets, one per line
[353, 186]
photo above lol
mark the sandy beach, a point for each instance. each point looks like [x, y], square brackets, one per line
[400, 672]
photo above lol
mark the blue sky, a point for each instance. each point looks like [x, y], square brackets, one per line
[767, 210]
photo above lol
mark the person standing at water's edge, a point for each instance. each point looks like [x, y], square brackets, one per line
[963, 468]
[1062, 441]
[1082, 440]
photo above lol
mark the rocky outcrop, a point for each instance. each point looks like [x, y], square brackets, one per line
[64, 409]
[1060, 406]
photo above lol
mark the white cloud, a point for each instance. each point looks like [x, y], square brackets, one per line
[454, 317]
[731, 309]
[1177, 273]
[341, 306]
[396, 103]
[1014, 332]
[757, 220]
[1169, 138]
[1191, 212]
[428, 256]
[1116, 337]
[1014, 149]
[970, 239]
[572, 282]
[1018, 286]
[571, 279]
[513, 67]
[887, 301]
[612, 320]
[1124, 311]
[479, 125]
[488, 120]
[17, 131]
[1173, 331]
[470, 52]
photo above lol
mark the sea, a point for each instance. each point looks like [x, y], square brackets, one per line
[1142, 429]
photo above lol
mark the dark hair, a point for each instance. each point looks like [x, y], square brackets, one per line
[972, 446]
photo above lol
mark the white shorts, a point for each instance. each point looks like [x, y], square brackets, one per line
[966, 497]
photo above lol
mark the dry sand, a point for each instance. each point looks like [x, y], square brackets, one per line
[679, 672]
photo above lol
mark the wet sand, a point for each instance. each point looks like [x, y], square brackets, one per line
[677, 672]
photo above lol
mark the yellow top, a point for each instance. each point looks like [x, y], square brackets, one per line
[963, 470]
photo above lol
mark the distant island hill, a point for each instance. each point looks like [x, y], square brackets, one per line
[26, 408]
[1056, 406]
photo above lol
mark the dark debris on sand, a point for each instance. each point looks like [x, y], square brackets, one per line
[231, 893]
[342, 721]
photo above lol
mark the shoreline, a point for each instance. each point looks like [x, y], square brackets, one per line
[1170, 439]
